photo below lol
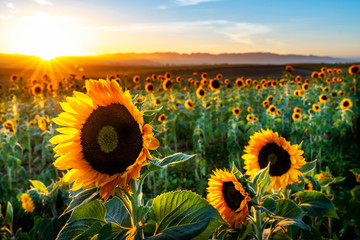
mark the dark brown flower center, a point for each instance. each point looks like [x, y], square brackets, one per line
[111, 139]
[277, 156]
[346, 103]
[215, 84]
[233, 197]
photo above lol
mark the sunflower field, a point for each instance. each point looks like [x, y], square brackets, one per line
[160, 156]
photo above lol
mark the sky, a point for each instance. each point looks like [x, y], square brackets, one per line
[49, 28]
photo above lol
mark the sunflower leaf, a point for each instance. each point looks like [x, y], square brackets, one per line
[289, 209]
[39, 186]
[183, 215]
[117, 213]
[316, 204]
[85, 221]
[149, 115]
[308, 167]
[81, 198]
[112, 231]
[261, 181]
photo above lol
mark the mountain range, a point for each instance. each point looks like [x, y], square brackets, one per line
[176, 59]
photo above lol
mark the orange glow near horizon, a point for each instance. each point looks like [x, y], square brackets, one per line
[46, 36]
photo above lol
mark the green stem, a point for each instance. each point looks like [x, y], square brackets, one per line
[127, 204]
[258, 224]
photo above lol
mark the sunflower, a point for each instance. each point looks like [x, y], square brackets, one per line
[297, 110]
[258, 87]
[249, 109]
[167, 75]
[215, 84]
[316, 107]
[354, 69]
[236, 111]
[305, 87]
[289, 68]
[315, 75]
[325, 89]
[279, 112]
[266, 103]
[167, 84]
[227, 81]
[239, 82]
[189, 104]
[104, 142]
[322, 75]
[27, 203]
[271, 109]
[273, 83]
[42, 123]
[298, 78]
[346, 103]
[162, 118]
[296, 116]
[229, 197]
[266, 146]
[323, 98]
[219, 76]
[200, 92]
[341, 93]
[149, 87]
[249, 117]
[270, 98]
[8, 124]
[37, 89]
[136, 79]
[204, 75]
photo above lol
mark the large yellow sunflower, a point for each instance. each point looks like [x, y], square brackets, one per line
[229, 197]
[266, 146]
[104, 142]
[346, 103]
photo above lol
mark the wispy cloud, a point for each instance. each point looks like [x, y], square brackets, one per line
[4, 17]
[192, 2]
[43, 2]
[234, 31]
[182, 3]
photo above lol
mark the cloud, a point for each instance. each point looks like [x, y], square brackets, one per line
[43, 2]
[234, 31]
[4, 17]
[10, 5]
[192, 2]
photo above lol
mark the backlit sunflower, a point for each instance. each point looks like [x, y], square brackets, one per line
[104, 141]
[346, 103]
[200, 92]
[27, 203]
[219, 76]
[289, 68]
[42, 123]
[189, 104]
[297, 110]
[278, 112]
[239, 82]
[305, 86]
[266, 103]
[296, 116]
[136, 79]
[236, 111]
[249, 117]
[149, 87]
[266, 146]
[270, 98]
[249, 109]
[323, 98]
[162, 118]
[167, 84]
[315, 75]
[8, 124]
[204, 75]
[354, 69]
[271, 109]
[215, 84]
[37, 89]
[316, 107]
[258, 87]
[229, 197]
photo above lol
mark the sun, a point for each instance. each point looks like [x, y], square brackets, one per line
[46, 36]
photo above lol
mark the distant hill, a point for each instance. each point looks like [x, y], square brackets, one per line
[175, 59]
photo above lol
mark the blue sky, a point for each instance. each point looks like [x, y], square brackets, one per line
[325, 28]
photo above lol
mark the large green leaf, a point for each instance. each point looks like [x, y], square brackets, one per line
[81, 198]
[117, 213]
[308, 167]
[85, 221]
[149, 115]
[316, 204]
[261, 181]
[112, 231]
[183, 215]
[289, 209]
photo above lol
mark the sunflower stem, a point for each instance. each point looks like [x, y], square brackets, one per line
[127, 204]
[258, 224]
